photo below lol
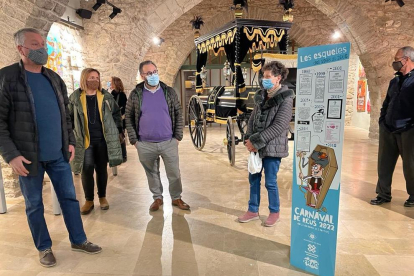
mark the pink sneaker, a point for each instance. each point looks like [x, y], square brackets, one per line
[272, 219]
[249, 216]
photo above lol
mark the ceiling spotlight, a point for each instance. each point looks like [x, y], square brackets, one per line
[98, 4]
[399, 2]
[115, 11]
[336, 35]
[158, 41]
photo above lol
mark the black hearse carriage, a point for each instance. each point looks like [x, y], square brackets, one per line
[234, 104]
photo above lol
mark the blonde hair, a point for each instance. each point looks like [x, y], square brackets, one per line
[119, 86]
[84, 78]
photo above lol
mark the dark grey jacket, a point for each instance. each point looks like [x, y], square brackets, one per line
[269, 122]
[397, 112]
[133, 112]
[18, 129]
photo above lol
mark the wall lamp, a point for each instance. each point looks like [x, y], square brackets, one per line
[158, 41]
[399, 2]
[115, 11]
[98, 4]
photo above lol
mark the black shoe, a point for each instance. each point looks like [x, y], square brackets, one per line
[409, 202]
[46, 258]
[87, 247]
[379, 201]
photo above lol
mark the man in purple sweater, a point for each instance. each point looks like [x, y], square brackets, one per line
[154, 122]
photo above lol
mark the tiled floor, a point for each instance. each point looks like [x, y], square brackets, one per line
[208, 240]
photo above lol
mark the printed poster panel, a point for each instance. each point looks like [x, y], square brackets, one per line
[361, 95]
[318, 156]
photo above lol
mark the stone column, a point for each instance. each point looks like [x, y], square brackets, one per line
[352, 78]
[10, 180]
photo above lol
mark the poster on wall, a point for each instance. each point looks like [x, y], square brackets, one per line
[361, 95]
[318, 157]
[54, 50]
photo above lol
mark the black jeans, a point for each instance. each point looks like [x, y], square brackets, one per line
[96, 159]
[391, 146]
[124, 152]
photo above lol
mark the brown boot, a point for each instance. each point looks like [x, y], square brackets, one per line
[87, 207]
[104, 203]
[156, 204]
[181, 204]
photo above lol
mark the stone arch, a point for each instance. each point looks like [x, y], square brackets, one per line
[372, 48]
[375, 30]
[14, 15]
[116, 47]
[174, 52]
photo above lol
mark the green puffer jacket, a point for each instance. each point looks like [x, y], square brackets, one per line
[111, 116]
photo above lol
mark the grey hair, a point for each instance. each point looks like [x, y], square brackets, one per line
[142, 64]
[20, 35]
[408, 51]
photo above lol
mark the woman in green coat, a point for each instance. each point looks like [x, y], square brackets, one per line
[96, 124]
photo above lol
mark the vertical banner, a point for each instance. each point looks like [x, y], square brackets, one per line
[320, 116]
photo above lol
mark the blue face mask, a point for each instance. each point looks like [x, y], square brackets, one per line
[153, 80]
[267, 84]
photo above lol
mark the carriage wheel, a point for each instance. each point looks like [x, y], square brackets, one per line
[197, 122]
[231, 141]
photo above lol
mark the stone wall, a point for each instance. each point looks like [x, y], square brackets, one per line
[179, 38]
[352, 78]
[117, 46]
[10, 180]
[17, 14]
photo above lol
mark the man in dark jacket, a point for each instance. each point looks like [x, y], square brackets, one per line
[396, 127]
[154, 123]
[36, 137]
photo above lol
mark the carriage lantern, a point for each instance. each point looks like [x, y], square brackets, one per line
[203, 75]
[244, 72]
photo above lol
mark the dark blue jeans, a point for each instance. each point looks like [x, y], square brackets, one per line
[271, 167]
[61, 176]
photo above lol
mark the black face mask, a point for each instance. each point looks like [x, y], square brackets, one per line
[397, 65]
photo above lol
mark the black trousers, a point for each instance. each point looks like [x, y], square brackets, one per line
[123, 145]
[123, 148]
[391, 146]
[96, 159]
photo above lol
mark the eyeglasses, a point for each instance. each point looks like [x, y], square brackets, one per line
[149, 74]
[34, 45]
[401, 58]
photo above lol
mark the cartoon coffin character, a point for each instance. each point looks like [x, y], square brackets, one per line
[322, 167]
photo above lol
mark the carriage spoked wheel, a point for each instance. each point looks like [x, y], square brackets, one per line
[230, 141]
[197, 122]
